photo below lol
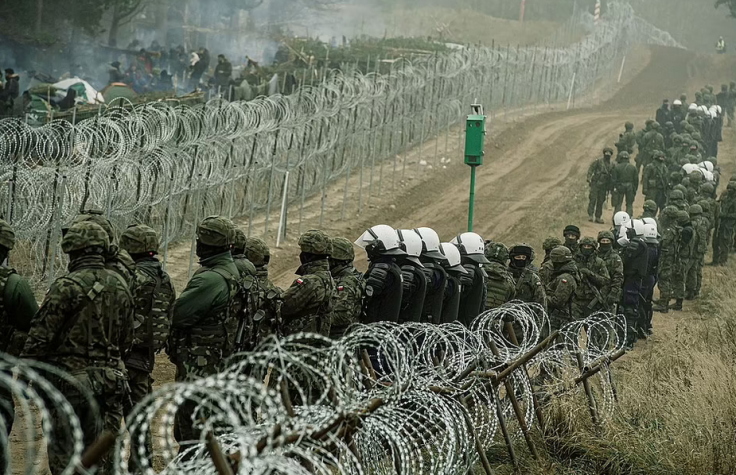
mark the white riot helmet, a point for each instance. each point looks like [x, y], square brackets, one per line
[707, 165]
[411, 243]
[709, 177]
[622, 218]
[472, 246]
[688, 168]
[651, 235]
[454, 260]
[692, 107]
[430, 243]
[702, 110]
[638, 226]
[651, 222]
[677, 102]
[382, 240]
[719, 109]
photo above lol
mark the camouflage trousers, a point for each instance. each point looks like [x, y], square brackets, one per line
[690, 274]
[596, 199]
[104, 387]
[140, 383]
[618, 199]
[186, 431]
[666, 283]
[722, 241]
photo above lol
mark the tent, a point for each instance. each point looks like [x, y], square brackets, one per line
[86, 94]
[117, 90]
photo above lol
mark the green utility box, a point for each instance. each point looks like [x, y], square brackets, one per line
[475, 134]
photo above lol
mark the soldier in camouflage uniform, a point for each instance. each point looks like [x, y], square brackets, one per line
[206, 317]
[668, 258]
[692, 183]
[625, 184]
[686, 252]
[115, 258]
[546, 269]
[694, 267]
[599, 179]
[245, 267]
[250, 294]
[655, 182]
[564, 281]
[677, 199]
[347, 304]
[84, 327]
[270, 296]
[500, 285]
[650, 211]
[725, 225]
[594, 281]
[652, 140]
[529, 287]
[153, 303]
[614, 265]
[571, 234]
[627, 140]
[17, 308]
[307, 304]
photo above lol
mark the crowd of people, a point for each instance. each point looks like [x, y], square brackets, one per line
[105, 321]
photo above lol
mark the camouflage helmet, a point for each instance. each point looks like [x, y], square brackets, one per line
[605, 235]
[677, 138]
[707, 188]
[695, 177]
[560, 255]
[624, 156]
[657, 154]
[669, 124]
[522, 249]
[240, 240]
[7, 235]
[139, 239]
[676, 195]
[650, 205]
[683, 217]
[731, 186]
[589, 241]
[705, 206]
[216, 231]
[608, 151]
[316, 242]
[695, 210]
[83, 235]
[551, 243]
[681, 188]
[98, 217]
[497, 252]
[257, 251]
[649, 122]
[655, 125]
[342, 249]
[675, 177]
[629, 125]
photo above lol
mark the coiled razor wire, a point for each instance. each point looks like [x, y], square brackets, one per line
[384, 399]
[170, 165]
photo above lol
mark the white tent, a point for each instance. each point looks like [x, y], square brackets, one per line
[90, 96]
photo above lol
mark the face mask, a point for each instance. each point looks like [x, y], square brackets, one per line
[605, 247]
[587, 252]
[519, 264]
[571, 242]
[607, 157]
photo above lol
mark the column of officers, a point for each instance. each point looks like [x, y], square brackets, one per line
[105, 321]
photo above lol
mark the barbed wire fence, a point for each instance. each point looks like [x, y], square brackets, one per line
[170, 166]
[385, 398]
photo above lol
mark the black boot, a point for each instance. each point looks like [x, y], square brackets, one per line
[678, 305]
[663, 306]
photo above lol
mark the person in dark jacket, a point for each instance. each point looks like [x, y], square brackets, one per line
[383, 283]
[473, 301]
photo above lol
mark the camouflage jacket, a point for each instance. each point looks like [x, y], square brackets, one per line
[86, 319]
[655, 178]
[500, 286]
[615, 267]
[245, 267]
[625, 177]
[652, 141]
[153, 302]
[545, 272]
[269, 300]
[307, 304]
[529, 286]
[669, 244]
[347, 303]
[205, 316]
[594, 279]
[627, 142]
[600, 174]
[561, 289]
[701, 226]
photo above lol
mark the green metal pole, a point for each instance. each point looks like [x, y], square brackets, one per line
[471, 204]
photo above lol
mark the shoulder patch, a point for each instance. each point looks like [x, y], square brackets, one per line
[300, 281]
[564, 281]
[340, 288]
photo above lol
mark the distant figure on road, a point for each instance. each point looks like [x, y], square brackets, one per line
[721, 46]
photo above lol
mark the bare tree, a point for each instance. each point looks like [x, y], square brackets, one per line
[123, 11]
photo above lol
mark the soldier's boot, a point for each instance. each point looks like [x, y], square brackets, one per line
[599, 221]
[678, 305]
[663, 306]
[590, 218]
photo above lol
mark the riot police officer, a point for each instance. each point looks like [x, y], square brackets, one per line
[383, 291]
[473, 301]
